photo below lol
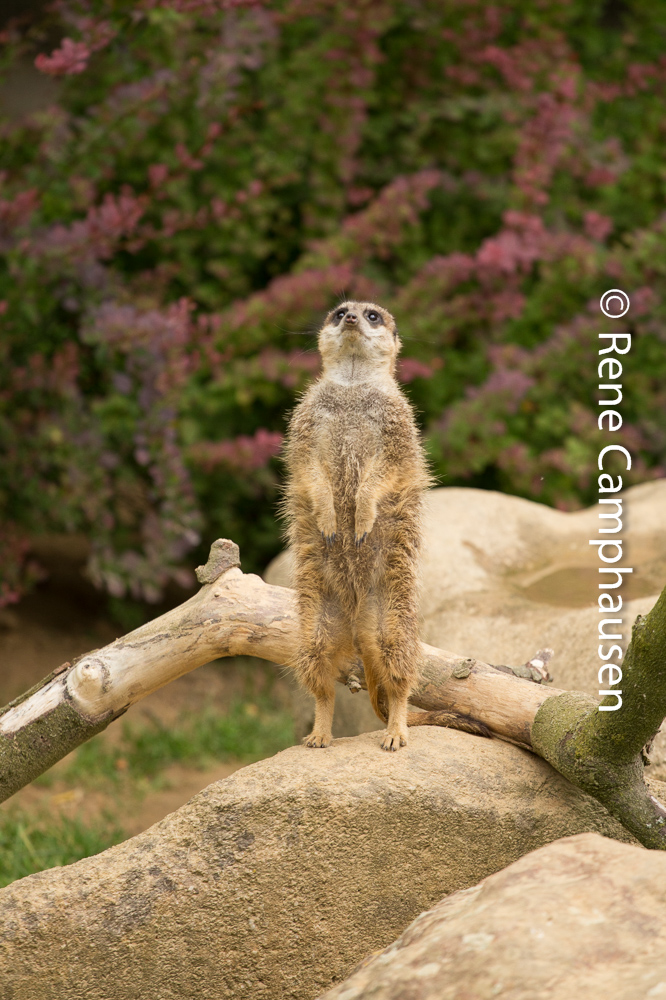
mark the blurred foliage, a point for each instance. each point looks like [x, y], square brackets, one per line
[215, 175]
[248, 731]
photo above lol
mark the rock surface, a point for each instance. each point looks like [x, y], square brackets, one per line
[583, 917]
[503, 577]
[274, 882]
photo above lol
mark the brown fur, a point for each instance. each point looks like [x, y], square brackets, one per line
[357, 476]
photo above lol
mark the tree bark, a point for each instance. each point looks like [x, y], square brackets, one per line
[236, 614]
[602, 752]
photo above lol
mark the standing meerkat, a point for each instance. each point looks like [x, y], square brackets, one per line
[357, 476]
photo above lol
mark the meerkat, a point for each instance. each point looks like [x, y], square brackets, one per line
[357, 476]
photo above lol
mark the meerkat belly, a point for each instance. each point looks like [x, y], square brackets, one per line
[349, 448]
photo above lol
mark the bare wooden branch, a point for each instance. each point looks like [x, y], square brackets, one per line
[237, 614]
[233, 614]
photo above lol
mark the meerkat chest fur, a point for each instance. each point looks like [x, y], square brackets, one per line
[350, 425]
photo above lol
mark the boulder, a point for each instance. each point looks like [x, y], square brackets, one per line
[503, 577]
[582, 917]
[274, 881]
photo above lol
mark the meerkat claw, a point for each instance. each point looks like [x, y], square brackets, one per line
[329, 539]
[360, 539]
[393, 741]
[318, 740]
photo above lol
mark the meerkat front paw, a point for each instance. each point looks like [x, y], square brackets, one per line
[328, 527]
[394, 740]
[362, 528]
[317, 739]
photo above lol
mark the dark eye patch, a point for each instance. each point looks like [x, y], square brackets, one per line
[373, 317]
[340, 314]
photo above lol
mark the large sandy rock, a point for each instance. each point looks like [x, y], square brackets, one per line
[274, 882]
[584, 917]
[503, 576]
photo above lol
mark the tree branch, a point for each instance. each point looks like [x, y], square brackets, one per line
[602, 752]
[237, 614]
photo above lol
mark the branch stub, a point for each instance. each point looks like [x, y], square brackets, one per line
[224, 555]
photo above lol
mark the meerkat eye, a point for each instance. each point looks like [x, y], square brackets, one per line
[373, 316]
[340, 314]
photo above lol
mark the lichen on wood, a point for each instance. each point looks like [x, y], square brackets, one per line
[26, 754]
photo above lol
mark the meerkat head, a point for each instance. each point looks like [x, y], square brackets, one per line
[363, 334]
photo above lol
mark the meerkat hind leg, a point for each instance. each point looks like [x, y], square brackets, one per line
[322, 729]
[379, 672]
[325, 642]
[396, 727]
[386, 637]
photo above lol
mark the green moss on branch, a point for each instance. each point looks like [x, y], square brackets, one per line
[26, 754]
[601, 751]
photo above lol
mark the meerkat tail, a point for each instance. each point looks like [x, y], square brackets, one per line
[450, 720]
[378, 698]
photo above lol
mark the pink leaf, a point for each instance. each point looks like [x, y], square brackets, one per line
[71, 58]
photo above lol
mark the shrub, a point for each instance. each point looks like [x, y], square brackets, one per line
[215, 175]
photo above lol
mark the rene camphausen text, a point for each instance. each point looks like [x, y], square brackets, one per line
[609, 546]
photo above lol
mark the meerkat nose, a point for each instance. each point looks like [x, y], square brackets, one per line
[351, 317]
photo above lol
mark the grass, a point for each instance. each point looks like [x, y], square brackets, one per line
[247, 732]
[132, 766]
[30, 844]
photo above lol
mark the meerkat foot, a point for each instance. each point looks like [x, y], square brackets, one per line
[394, 740]
[329, 539]
[318, 739]
[359, 539]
